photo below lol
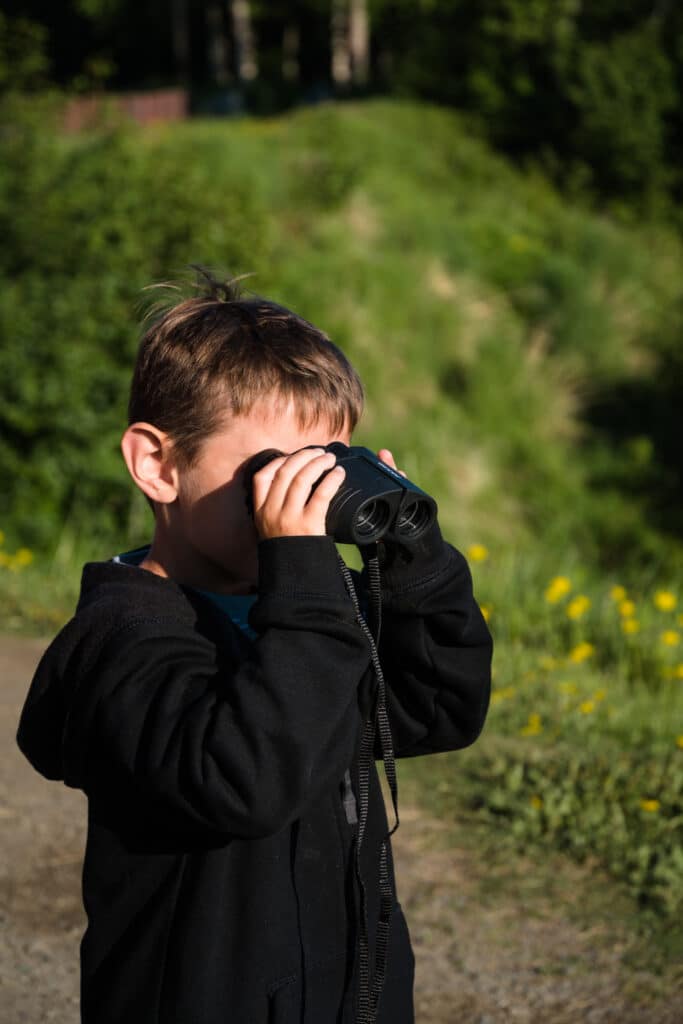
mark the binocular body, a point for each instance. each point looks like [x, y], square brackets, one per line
[373, 502]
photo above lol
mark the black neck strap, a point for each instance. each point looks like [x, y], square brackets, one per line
[370, 988]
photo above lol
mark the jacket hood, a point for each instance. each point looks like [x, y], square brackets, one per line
[105, 589]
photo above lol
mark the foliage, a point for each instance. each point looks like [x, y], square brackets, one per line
[24, 63]
[86, 225]
[590, 92]
[583, 747]
[507, 325]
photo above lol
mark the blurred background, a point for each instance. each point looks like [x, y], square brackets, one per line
[481, 203]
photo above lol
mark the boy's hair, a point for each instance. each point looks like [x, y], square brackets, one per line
[217, 353]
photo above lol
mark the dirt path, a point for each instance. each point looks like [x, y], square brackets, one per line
[495, 941]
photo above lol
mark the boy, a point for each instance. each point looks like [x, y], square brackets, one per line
[212, 690]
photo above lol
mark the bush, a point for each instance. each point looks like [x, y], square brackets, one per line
[87, 223]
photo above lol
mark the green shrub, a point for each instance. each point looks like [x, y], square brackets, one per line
[88, 223]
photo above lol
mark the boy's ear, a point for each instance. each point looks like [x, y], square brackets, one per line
[145, 449]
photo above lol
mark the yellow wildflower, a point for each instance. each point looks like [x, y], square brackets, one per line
[627, 608]
[520, 243]
[586, 707]
[536, 802]
[486, 611]
[581, 652]
[577, 606]
[678, 671]
[665, 600]
[670, 637]
[679, 742]
[630, 626]
[649, 805]
[477, 553]
[557, 588]
[618, 593]
[505, 693]
[533, 726]
[23, 557]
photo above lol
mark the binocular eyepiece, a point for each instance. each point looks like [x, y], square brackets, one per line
[373, 502]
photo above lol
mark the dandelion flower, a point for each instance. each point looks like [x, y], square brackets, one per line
[670, 637]
[557, 588]
[630, 626]
[23, 557]
[477, 553]
[618, 593]
[679, 742]
[486, 611]
[627, 609]
[505, 693]
[578, 606]
[649, 805]
[665, 600]
[581, 652]
[536, 802]
[586, 707]
[533, 726]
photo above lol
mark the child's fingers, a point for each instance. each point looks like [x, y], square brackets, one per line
[281, 476]
[319, 502]
[301, 483]
[384, 455]
[262, 480]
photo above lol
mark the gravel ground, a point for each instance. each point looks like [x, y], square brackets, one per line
[495, 943]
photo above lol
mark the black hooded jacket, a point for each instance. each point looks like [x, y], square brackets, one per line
[218, 877]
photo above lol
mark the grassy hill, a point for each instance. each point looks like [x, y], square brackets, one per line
[522, 360]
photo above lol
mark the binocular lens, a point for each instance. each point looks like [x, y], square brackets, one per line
[372, 519]
[413, 519]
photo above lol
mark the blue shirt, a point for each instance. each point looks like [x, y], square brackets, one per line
[235, 606]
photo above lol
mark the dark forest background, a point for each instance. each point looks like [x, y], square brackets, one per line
[588, 92]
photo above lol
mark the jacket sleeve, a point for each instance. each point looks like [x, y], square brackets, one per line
[156, 725]
[435, 648]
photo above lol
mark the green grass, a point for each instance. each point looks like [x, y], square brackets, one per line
[583, 745]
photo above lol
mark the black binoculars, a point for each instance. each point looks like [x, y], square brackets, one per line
[373, 502]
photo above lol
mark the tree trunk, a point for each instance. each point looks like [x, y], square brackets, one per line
[180, 33]
[291, 40]
[359, 41]
[341, 54]
[217, 47]
[245, 49]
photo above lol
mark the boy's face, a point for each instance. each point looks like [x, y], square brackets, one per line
[206, 537]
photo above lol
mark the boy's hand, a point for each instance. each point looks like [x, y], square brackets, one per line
[282, 506]
[384, 455]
